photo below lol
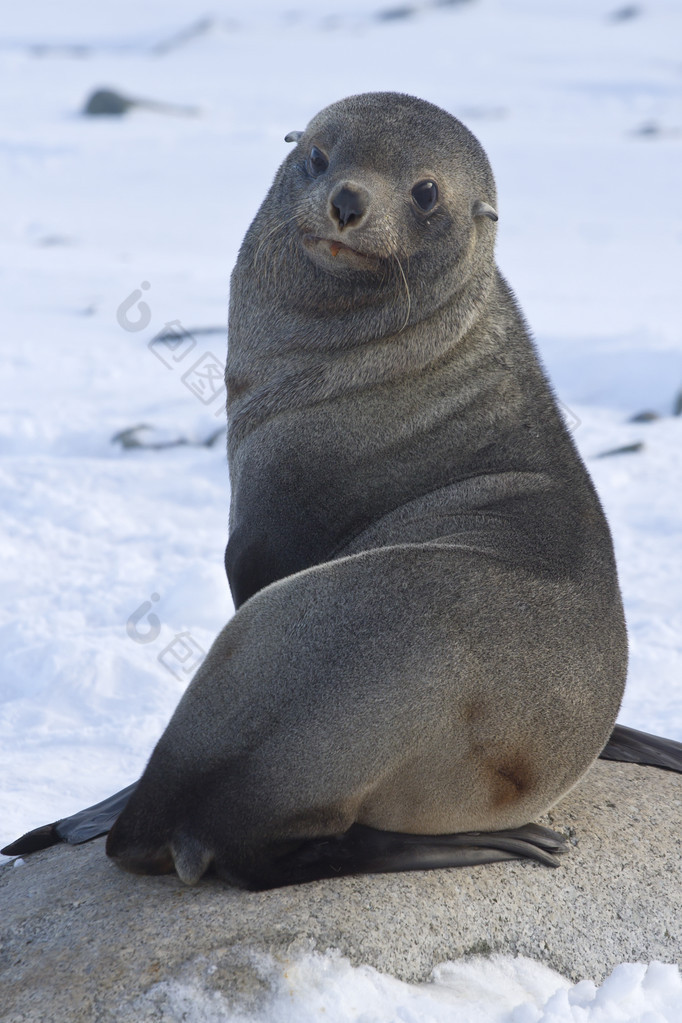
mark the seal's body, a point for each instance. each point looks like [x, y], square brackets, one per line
[429, 636]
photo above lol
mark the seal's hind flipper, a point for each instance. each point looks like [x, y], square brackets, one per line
[363, 850]
[32, 841]
[80, 827]
[630, 746]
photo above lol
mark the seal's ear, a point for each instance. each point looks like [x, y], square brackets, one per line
[483, 209]
[293, 136]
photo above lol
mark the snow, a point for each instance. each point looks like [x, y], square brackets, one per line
[495, 990]
[581, 115]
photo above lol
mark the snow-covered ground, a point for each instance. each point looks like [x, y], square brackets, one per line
[494, 990]
[113, 228]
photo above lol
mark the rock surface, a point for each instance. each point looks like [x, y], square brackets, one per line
[82, 941]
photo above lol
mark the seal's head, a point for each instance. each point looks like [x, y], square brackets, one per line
[381, 187]
[384, 175]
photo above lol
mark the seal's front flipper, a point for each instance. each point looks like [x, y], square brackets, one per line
[363, 850]
[80, 827]
[32, 841]
[629, 746]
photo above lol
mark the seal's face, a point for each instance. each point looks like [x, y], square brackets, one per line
[384, 179]
[356, 218]
[382, 213]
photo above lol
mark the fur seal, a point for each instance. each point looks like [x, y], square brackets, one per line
[429, 637]
[429, 647]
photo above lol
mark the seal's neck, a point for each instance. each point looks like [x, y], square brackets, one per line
[281, 358]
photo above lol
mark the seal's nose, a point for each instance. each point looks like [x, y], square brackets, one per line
[348, 206]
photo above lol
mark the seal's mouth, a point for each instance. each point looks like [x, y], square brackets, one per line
[330, 247]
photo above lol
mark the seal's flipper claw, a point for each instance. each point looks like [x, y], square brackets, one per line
[363, 850]
[80, 827]
[544, 838]
[630, 746]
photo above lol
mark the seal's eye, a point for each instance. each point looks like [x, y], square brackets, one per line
[425, 194]
[317, 162]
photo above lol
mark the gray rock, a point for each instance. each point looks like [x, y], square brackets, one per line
[82, 941]
[626, 449]
[110, 103]
[648, 416]
[107, 102]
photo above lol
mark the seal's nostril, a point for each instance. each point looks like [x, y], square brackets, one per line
[348, 206]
